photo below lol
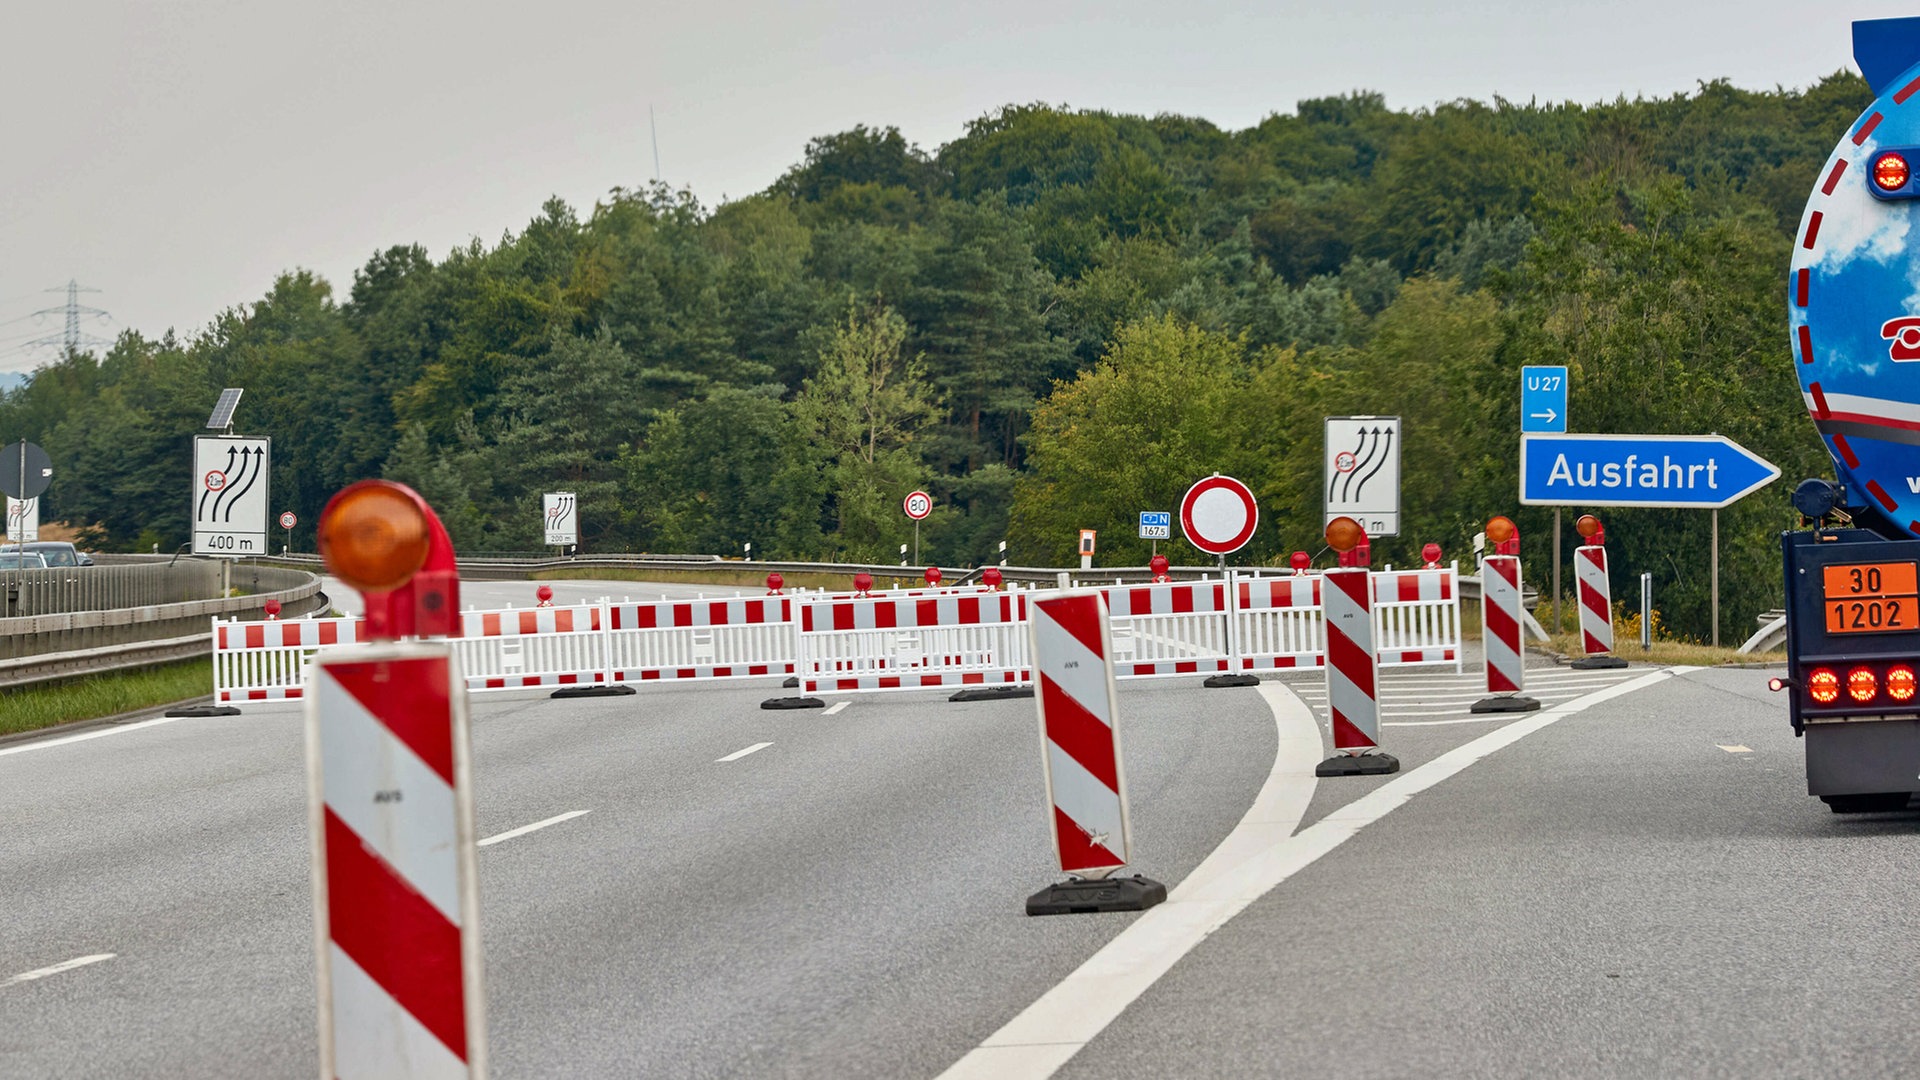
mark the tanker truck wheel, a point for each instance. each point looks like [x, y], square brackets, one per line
[1866, 804]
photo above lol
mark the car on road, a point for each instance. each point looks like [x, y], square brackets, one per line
[15, 559]
[55, 552]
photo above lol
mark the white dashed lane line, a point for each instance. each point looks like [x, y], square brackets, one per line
[738, 754]
[64, 965]
[535, 827]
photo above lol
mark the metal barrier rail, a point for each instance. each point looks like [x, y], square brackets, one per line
[58, 590]
[26, 637]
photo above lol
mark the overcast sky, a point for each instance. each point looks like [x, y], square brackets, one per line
[178, 154]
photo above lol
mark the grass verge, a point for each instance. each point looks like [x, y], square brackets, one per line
[88, 697]
[1668, 652]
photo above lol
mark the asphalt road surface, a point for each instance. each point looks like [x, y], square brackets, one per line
[1630, 882]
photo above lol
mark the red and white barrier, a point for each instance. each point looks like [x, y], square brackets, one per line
[1277, 623]
[1417, 617]
[1596, 598]
[267, 661]
[1086, 784]
[395, 906]
[1180, 628]
[533, 647]
[1353, 666]
[883, 643]
[1500, 624]
[699, 640]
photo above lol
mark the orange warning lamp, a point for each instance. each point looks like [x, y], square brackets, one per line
[1591, 530]
[1347, 537]
[1505, 536]
[384, 540]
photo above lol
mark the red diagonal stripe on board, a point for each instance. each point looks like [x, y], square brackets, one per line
[1079, 733]
[399, 939]
[1350, 660]
[1501, 624]
[1593, 600]
[1346, 736]
[1497, 681]
[1592, 645]
[1354, 585]
[1077, 849]
[409, 699]
[1078, 616]
[1507, 567]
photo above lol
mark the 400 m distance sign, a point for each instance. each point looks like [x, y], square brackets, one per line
[230, 495]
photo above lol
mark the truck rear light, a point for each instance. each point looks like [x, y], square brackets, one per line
[1823, 686]
[1861, 685]
[1901, 683]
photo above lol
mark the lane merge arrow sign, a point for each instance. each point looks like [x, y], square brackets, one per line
[1543, 399]
[1701, 472]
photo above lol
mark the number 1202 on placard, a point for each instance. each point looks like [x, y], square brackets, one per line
[1872, 598]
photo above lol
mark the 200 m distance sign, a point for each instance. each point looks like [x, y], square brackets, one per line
[230, 495]
[1218, 515]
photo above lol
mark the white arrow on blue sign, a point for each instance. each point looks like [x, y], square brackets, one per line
[1156, 524]
[1543, 399]
[1702, 472]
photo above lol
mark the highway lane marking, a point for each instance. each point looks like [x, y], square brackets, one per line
[102, 733]
[525, 829]
[1048, 1033]
[836, 707]
[1736, 748]
[64, 965]
[738, 754]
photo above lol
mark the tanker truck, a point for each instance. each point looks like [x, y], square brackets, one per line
[1853, 568]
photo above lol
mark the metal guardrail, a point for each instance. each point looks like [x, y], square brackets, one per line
[102, 588]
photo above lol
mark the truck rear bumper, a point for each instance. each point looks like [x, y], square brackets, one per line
[1863, 757]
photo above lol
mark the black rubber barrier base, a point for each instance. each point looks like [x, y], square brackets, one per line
[1232, 680]
[1597, 663]
[1087, 897]
[793, 703]
[205, 710]
[1358, 765]
[593, 691]
[1504, 703]
[991, 693]
[792, 683]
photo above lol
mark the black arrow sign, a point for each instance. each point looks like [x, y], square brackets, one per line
[1384, 454]
[254, 459]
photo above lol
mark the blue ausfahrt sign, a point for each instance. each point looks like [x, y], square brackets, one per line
[1696, 471]
[1543, 399]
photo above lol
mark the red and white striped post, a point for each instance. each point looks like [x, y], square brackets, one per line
[1080, 752]
[396, 908]
[1501, 616]
[1353, 661]
[1596, 597]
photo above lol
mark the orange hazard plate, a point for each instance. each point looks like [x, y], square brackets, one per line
[1872, 598]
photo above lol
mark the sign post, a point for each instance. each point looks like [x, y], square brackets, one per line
[1543, 408]
[561, 513]
[287, 522]
[1363, 472]
[918, 505]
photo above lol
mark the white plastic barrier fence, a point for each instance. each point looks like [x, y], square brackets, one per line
[267, 661]
[1180, 628]
[1277, 623]
[1416, 617]
[530, 647]
[883, 643]
[672, 641]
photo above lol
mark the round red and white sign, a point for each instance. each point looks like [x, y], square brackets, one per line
[1218, 515]
[918, 505]
[288, 521]
[215, 480]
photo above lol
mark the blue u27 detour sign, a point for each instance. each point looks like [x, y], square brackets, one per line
[1701, 472]
[1543, 399]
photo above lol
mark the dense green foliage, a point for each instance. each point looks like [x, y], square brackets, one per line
[1055, 321]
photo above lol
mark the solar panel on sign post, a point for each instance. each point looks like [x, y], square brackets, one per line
[223, 410]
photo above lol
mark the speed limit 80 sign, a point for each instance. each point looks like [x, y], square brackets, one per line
[918, 505]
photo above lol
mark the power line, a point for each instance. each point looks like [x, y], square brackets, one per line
[71, 338]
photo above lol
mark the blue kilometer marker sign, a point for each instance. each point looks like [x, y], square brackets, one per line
[1543, 399]
[1701, 472]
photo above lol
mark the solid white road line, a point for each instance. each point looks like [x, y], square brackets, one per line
[1735, 749]
[64, 965]
[738, 754]
[99, 733]
[836, 707]
[1034, 1044]
[525, 829]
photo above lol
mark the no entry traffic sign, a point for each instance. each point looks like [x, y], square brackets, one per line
[918, 505]
[1218, 515]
